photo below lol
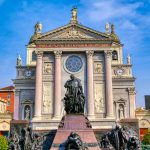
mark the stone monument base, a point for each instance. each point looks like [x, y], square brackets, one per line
[78, 124]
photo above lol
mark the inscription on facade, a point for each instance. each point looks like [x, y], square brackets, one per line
[71, 45]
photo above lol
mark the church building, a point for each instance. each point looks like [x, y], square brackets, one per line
[94, 57]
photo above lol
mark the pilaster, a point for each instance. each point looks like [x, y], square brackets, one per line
[16, 104]
[38, 90]
[90, 85]
[57, 85]
[109, 95]
[132, 107]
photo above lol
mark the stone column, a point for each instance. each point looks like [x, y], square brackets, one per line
[16, 105]
[109, 95]
[57, 88]
[38, 90]
[90, 89]
[132, 93]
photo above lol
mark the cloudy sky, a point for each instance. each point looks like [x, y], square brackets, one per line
[131, 19]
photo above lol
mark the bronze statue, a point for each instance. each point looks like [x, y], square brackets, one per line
[74, 98]
[74, 142]
[124, 138]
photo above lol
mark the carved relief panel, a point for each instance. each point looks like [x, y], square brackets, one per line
[47, 98]
[98, 67]
[48, 68]
[99, 97]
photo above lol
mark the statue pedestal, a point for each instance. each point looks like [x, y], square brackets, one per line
[78, 124]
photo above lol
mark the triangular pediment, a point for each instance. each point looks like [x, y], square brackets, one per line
[73, 32]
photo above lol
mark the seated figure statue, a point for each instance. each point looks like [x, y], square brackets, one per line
[74, 142]
[74, 98]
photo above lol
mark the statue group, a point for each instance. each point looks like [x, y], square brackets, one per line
[74, 98]
[119, 138]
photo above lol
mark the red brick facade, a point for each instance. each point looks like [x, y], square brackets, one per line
[7, 93]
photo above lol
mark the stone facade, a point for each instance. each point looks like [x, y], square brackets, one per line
[94, 57]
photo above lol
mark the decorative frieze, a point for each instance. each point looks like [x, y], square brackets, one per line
[67, 45]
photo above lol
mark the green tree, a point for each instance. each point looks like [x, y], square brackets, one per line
[146, 139]
[3, 143]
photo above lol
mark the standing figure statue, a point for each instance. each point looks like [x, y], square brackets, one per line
[74, 98]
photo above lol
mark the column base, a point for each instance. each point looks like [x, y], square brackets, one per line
[91, 117]
[56, 118]
[36, 118]
[110, 116]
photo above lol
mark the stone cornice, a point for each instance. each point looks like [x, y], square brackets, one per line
[124, 79]
[121, 65]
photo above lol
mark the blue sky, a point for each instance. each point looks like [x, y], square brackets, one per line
[131, 19]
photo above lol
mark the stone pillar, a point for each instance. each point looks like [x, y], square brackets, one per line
[109, 95]
[132, 107]
[38, 90]
[90, 89]
[16, 105]
[57, 86]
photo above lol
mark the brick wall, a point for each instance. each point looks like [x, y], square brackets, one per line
[9, 96]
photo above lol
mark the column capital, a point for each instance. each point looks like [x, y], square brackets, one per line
[58, 53]
[90, 53]
[17, 91]
[108, 53]
[39, 54]
[132, 91]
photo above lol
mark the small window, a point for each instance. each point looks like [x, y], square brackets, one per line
[8, 103]
[114, 55]
[8, 96]
[33, 56]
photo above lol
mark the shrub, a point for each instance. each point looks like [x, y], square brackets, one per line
[146, 139]
[3, 143]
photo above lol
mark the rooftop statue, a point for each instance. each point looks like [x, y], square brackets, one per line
[74, 15]
[74, 98]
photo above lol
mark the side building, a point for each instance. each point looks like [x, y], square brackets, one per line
[7, 93]
[95, 57]
[5, 118]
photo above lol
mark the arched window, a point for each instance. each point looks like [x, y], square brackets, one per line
[33, 56]
[114, 55]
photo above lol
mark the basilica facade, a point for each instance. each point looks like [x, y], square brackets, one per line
[94, 57]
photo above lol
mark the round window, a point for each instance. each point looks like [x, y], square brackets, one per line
[73, 63]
